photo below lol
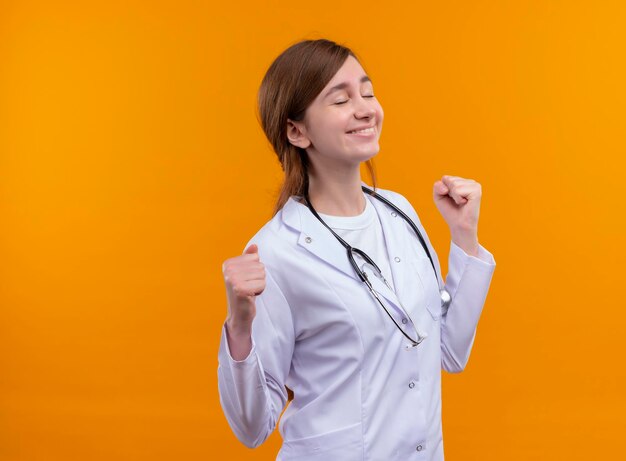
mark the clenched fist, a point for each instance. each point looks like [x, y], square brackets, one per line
[458, 201]
[244, 276]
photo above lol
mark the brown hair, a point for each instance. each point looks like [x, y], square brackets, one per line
[290, 85]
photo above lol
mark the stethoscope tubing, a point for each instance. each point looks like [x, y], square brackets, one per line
[363, 276]
[445, 296]
[362, 253]
[409, 221]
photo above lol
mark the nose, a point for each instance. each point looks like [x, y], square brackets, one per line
[364, 109]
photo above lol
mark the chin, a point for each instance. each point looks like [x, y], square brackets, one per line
[371, 153]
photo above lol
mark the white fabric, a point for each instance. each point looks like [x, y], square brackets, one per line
[360, 393]
[365, 233]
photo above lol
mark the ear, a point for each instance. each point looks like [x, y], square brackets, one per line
[296, 134]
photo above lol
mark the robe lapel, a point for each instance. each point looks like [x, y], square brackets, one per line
[316, 238]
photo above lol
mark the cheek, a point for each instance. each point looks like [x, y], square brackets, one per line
[380, 112]
[334, 123]
[327, 133]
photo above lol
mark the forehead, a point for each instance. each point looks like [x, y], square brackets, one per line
[350, 73]
[350, 70]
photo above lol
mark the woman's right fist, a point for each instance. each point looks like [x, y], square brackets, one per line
[245, 278]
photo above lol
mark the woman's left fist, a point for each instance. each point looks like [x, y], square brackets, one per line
[458, 201]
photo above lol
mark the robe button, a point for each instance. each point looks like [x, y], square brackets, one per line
[411, 385]
[396, 259]
[394, 214]
[308, 240]
[404, 321]
[419, 448]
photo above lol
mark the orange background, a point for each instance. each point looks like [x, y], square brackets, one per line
[132, 165]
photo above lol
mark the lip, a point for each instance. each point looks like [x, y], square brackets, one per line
[364, 127]
[364, 135]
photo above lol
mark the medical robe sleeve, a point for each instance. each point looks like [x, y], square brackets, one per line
[467, 282]
[252, 391]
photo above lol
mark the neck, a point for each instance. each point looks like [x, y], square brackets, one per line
[336, 192]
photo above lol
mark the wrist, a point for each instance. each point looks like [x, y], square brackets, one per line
[239, 341]
[239, 327]
[467, 241]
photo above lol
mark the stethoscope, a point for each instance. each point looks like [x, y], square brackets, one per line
[445, 296]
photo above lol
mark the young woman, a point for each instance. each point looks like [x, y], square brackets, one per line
[339, 297]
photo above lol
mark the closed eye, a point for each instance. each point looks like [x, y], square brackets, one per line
[343, 102]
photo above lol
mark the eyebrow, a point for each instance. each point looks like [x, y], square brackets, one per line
[343, 85]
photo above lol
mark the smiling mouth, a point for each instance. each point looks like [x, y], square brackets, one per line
[365, 131]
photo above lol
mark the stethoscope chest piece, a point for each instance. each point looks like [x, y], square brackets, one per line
[445, 298]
